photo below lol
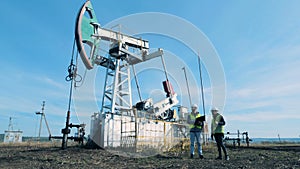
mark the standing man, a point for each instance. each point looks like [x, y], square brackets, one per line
[217, 132]
[195, 131]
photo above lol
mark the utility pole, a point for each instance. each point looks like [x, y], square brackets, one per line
[43, 116]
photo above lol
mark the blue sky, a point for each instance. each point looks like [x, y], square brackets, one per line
[258, 43]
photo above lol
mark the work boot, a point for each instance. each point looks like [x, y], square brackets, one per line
[219, 158]
[227, 158]
[201, 156]
[192, 155]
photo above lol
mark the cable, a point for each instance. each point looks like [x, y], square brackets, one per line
[82, 79]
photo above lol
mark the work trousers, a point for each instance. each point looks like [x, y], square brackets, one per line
[195, 136]
[220, 144]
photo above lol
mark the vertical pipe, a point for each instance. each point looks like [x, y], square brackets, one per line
[65, 131]
[201, 81]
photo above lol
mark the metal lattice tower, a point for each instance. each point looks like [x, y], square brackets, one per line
[117, 97]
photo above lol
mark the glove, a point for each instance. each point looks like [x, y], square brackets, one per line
[198, 123]
[212, 137]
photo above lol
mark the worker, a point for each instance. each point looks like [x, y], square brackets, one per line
[195, 131]
[217, 132]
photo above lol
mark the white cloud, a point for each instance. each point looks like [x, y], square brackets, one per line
[262, 116]
[266, 88]
[54, 83]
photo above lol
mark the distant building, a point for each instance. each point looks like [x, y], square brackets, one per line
[13, 136]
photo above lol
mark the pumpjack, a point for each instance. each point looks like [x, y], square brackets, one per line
[124, 53]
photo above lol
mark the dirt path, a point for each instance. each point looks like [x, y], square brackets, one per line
[27, 156]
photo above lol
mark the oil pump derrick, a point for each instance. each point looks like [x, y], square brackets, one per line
[117, 98]
[124, 52]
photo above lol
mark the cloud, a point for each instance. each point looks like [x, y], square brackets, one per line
[262, 116]
[267, 91]
[266, 88]
[53, 83]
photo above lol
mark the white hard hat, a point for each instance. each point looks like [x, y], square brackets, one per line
[195, 105]
[214, 109]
